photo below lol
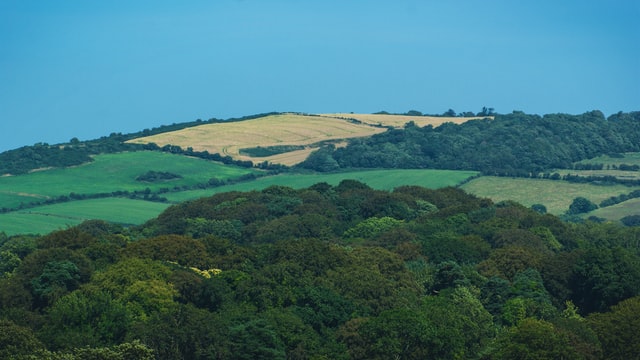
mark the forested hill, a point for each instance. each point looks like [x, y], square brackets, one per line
[512, 144]
[76, 152]
[326, 272]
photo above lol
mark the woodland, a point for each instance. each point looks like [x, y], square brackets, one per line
[326, 272]
[339, 271]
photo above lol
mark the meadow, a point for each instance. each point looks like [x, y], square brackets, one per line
[109, 173]
[555, 195]
[627, 158]
[618, 211]
[283, 129]
[47, 218]
[377, 179]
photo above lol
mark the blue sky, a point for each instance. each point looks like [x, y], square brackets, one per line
[85, 69]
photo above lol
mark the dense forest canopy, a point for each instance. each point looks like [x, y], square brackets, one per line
[510, 144]
[325, 272]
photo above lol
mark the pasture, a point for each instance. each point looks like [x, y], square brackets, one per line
[109, 173]
[47, 218]
[554, 194]
[272, 130]
[620, 174]
[398, 121]
[618, 211]
[628, 158]
[377, 179]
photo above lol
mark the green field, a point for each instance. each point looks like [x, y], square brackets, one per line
[109, 173]
[555, 195]
[47, 218]
[629, 159]
[377, 179]
[618, 211]
[622, 175]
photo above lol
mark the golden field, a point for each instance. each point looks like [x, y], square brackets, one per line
[283, 129]
[286, 129]
[399, 120]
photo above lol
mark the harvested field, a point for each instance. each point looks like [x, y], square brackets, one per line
[399, 120]
[283, 129]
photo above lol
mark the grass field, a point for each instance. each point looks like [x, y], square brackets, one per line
[109, 173]
[284, 129]
[399, 120]
[377, 179]
[555, 195]
[47, 218]
[623, 175]
[44, 219]
[618, 211]
[629, 159]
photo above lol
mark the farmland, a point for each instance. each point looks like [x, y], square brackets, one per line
[47, 218]
[555, 195]
[110, 173]
[377, 179]
[398, 121]
[627, 158]
[284, 129]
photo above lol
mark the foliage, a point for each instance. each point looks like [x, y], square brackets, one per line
[510, 144]
[581, 205]
[326, 272]
[155, 176]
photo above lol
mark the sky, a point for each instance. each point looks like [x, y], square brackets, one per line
[86, 69]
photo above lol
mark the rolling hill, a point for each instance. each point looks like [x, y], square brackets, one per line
[304, 132]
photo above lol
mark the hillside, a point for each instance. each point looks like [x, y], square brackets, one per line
[301, 131]
[296, 135]
[326, 272]
[555, 147]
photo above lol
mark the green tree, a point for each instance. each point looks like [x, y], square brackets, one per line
[8, 262]
[56, 279]
[85, 318]
[581, 205]
[256, 339]
[533, 339]
[618, 329]
[17, 340]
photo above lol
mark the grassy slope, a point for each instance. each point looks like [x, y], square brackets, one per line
[629, 159]
[618, 211]
[44, 219]
[555, 195]
[109, 173]
[377, 179]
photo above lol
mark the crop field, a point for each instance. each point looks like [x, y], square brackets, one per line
[377, 179]
[109, 173]
[555, 195]
[284, 129]
[47, 218]
[398, 121]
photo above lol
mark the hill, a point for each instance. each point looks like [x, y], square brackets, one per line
[570, 149]
[289, 137]
[328, 271]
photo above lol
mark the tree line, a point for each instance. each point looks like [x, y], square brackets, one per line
[325, 272]
[510, 144]
[76, 152]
